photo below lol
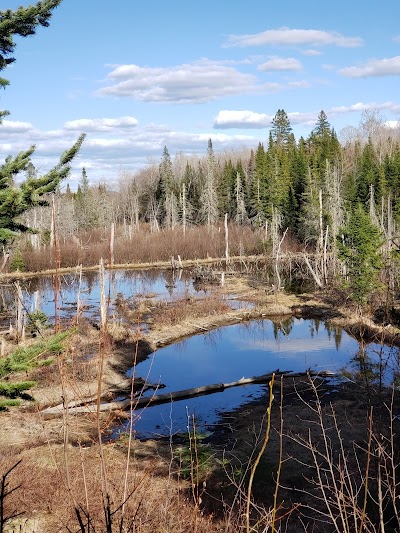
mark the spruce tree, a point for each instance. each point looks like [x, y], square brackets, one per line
[281, 129]
[359, 247]
[16, 200]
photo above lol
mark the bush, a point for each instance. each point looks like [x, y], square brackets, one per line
[18, 264]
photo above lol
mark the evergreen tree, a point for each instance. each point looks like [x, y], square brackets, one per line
[322, 128]
[169, 192]
[359, 245]
[23, 22]
[281, 128]
[86, 213]
[226, 189]
[367, 174]
[16, 200]
[259, 190]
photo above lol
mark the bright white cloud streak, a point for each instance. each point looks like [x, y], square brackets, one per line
[293, 37]
[374, 68]
[280, 64]
[201, 81]
[100, 124]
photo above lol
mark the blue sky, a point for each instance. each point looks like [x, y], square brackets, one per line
[136, 76]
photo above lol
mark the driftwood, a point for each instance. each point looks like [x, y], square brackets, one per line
[156, 399]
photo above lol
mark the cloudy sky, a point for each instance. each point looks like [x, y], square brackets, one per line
[136, 76]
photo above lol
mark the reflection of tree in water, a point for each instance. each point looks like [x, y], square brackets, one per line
[337, 333]
[213, 337]
[91, 279]
[170, 282]
[375, 365]
[7, 298]
[283, 327]
[314, 327]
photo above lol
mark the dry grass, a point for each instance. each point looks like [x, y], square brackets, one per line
[157, 504]
[173, 313]
[146, 247]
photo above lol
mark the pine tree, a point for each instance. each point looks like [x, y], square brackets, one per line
[259, 189]
[359, 244]
[85, 211]
[368, 173]
[281, 128]
[16, 200]
[169, 193]
[226, 189]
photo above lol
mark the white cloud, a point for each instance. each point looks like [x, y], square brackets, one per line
[249, 119]
[100, 124]
[15, 126]
[289, 346]
[374, 67]
[280, 63]
[311, 52]
[227, 119]
[108, 143]
[301, 83]
[242, 119]
[201, 81]
[293, 37]
[392, 124]
[360, 106]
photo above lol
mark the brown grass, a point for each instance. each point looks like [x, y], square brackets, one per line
[146, 247]
[172, 313]
[155, 504]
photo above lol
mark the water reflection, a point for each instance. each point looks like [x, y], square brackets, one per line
[132, 284]
[255, 348]
[374, 365]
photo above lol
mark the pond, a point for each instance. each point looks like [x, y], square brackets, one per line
[38, 293]
[252, 349]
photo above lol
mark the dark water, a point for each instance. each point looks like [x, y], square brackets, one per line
[257, 348]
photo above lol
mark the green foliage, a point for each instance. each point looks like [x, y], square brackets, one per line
[25, 358]
[16, 200]
[358, 246]
[17, 264]
[196, 460]
[38, 321]
[4, 404]
[12, 390]
[281, 128]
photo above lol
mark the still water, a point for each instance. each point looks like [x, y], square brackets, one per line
[130, 284]
[252, 349]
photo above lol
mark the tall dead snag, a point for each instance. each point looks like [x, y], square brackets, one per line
[112, 239]
[226, 238]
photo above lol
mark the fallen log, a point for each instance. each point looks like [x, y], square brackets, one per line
[156, 399]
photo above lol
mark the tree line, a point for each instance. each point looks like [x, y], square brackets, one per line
[309, 186]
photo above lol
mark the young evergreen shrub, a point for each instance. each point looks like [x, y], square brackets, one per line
[17, 264]
[37, 321]
[4, 404]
